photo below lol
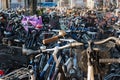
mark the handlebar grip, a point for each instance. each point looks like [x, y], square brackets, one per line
[49, 40]
[55, 38]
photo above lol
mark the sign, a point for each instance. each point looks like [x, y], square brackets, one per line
[47, 4]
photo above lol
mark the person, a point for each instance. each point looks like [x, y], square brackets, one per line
[91, 19]
[118, 20]
[3, 20]
[54, 21]
[45, 18]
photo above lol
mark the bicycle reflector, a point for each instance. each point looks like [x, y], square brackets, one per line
[38, 26]
[1, 73]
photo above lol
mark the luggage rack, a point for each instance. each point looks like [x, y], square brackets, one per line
[17, 74]
[11, 42]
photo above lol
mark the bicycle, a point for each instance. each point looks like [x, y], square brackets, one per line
[91, 59]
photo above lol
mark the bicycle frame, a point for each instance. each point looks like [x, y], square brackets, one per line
[90, 74]
[42, 74]
[69, 64]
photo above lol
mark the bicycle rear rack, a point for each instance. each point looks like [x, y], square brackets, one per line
[17, 74]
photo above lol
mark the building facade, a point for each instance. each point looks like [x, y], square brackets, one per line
[0, 4]
[77, 3]
[19, 3]
[61, 3]
[3, 4]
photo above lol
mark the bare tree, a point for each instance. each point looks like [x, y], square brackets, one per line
[33, 6]
[7, 4]
[27, 2]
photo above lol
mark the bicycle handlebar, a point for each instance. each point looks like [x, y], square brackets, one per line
[61, 34]
[29, 51]
[75, 44]
[66, 46]
[117, 40]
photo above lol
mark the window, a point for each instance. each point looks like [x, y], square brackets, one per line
[48, 0]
